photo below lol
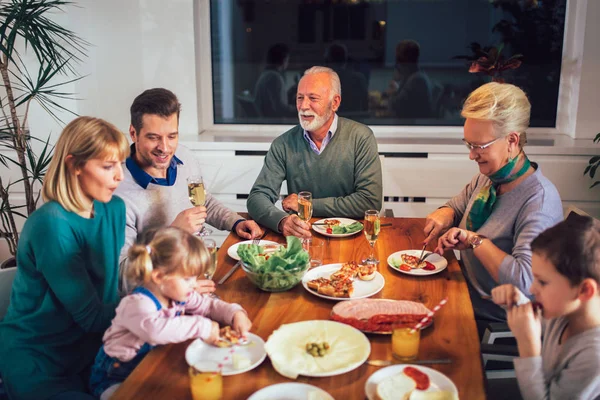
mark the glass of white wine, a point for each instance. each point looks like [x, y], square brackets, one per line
[197, 195]
[305, 207]
[211, 246]
[372, 228]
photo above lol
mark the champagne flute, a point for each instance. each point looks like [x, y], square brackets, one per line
[305, 207]
[197, 195]
[372, 228]
[211, 246]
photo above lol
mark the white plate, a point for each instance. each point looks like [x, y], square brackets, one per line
[289, 391]
[232, 250]
[438, 380]
[322, 229]
[362, 288]
[438, 261]
[286, 348]
[200, 351]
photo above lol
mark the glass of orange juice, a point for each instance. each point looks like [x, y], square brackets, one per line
[206, 382]
[405, 343]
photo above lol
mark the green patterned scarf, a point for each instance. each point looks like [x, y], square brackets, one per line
[484, 202]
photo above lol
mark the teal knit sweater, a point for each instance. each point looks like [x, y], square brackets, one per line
[63, 298]
[345, 179]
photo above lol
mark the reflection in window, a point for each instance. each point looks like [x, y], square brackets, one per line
[400, 62]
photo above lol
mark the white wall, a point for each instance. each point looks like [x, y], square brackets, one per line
[135, 45]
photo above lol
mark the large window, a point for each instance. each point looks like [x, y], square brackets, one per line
[400, 62]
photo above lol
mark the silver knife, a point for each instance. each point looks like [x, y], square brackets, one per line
[228, 274]
[384, 363]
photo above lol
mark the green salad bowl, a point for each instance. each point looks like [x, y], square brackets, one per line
[276, 281]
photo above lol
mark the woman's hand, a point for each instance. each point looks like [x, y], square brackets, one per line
[506, 295]
[454, 239]
[526, 325]
[436, 222]
[241, 323]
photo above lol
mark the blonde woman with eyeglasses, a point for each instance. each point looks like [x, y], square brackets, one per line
[65, 291]
[494, 219]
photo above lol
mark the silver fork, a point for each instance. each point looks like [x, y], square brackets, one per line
[421, 256]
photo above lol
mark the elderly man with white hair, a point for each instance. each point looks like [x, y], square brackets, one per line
[334, 158]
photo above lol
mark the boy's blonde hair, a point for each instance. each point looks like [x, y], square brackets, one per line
[170, 250]
[84, 138]
[504, 104]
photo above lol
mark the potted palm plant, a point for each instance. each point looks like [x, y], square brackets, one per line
[26, 28]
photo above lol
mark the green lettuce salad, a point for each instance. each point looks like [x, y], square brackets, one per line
[275, 271]
[341, 229]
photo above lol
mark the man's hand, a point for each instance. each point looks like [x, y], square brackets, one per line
[191, 220]
[248, 230]
[241, 323]
[290, 203]
[293, 226]
[205, 286]
[436, 222]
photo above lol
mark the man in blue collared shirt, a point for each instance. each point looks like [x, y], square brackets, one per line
[154, 187]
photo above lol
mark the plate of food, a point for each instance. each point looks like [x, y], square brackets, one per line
[291, 391]
[317, 348]
[343, 281]
[337, 227]
[379, 315]
[244, 357]
[405, 261]
[410, 382]
[266, 244]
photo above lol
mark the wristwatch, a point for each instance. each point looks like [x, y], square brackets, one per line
[476, 240]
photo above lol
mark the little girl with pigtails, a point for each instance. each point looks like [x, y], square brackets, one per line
[164, 308]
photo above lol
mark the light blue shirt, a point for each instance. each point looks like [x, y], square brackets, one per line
[327, 138]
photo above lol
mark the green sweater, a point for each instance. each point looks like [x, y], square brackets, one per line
[63, 298]
[345, 179]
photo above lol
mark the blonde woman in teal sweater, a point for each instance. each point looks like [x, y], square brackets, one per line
[65, 291]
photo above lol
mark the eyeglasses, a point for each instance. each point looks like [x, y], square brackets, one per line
[480, 147]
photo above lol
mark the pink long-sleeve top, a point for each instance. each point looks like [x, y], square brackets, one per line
[138, 321]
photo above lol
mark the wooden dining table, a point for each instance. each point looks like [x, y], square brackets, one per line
[163, 374]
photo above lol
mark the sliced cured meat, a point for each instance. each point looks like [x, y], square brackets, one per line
[376, 315]
[367, 308]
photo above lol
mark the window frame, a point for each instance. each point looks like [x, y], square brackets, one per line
[568, 96]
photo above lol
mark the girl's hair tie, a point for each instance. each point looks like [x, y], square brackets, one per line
[148, 249]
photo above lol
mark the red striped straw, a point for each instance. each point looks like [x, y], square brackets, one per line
[429, 315]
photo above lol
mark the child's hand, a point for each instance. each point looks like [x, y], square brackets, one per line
[506, 295]
[205, 286]
[241, 323]
[214, 334]
[526, 325]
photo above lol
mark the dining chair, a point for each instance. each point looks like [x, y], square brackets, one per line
[6, 279]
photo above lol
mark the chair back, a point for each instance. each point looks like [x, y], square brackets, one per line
[6, 280]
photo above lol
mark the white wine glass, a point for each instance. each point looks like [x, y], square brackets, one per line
[211, 246]
[305, 207]
[197, 195]
[372, 228]
[211, 268]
